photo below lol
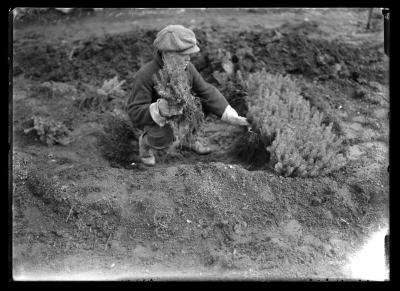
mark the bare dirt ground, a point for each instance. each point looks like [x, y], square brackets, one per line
[82, 214]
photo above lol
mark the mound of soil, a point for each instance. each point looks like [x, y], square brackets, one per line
[220, 215]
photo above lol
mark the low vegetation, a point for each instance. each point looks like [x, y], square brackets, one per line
[294, 134]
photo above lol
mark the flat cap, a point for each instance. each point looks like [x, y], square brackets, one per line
[176, 38]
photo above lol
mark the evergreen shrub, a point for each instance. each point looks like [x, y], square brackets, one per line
[300, 143]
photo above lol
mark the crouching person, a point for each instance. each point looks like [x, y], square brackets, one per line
[148, 111]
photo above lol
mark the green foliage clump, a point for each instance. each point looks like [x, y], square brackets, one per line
[172, 84]
[50, 90]
[112, 86]
[50, 131]
[106, 98]
[119, 141]
[302, 145]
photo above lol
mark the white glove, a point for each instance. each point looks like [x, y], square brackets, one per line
[160, 110]
[155, 114]
[230, 116]
[167, 110]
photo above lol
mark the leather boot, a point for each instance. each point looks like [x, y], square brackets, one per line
[198, 148]
[145, 152]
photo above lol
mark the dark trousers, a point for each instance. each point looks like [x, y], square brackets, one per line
[158, 137]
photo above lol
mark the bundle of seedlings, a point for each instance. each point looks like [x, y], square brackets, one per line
[172, 84]
[289, 129]
[49, 131]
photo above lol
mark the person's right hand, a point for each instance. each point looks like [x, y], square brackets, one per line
[167, 110]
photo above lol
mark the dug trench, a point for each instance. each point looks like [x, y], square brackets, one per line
[76, 209]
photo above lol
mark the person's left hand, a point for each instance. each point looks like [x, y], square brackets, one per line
[239, 120]
[230, 116]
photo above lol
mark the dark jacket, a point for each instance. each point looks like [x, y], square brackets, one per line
[144, 93]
